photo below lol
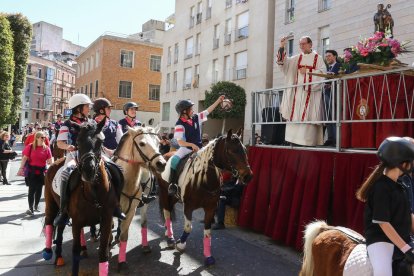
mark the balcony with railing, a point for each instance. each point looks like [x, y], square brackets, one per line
[227, 38]
[242, 33]
[187, 84]
[240, 73]
[241, 1]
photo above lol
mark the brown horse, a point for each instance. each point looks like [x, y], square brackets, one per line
[57, 152]
[331, 251]
[200, 183]
[92, 201]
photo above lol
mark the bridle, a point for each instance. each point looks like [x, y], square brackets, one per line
[233, 170]
[87, 155]
[146, 159]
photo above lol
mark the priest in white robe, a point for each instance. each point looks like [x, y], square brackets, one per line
[304, 102]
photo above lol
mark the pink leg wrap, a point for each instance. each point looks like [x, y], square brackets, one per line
[122, 251]
[207, 246]
[103, 268]
[82, 238]
[144, 236]
[48, 234]
[169, 227]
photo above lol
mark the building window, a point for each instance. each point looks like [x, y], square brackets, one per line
[192, 16]
[196, 79]
[87, 66]
[187, 78]
[96, 89]
[169, 56]
[208, 12]
[154, 92]
[216, 37]
[78, 70]
[290, 11]
[189, 48]
[38, 89]
[229, 3]
[176, 53]
[199, 12]
[82, 69]
[227, 68]
[198, 44]
[165, 111]
[127, 58]
[96, 59]
[167, 85]
[125, 88]
[38, 103]
[241, 65]
[26, 115]
[242, 31]
[91, 90]
[174, 88]
[227, 32]
[81, 90]
[86, 90]
[37, 115]
[92, 63]
[324, 39]
[155, 63]
[324, 5]
[39, 73]
[215, 71]
[290, 47]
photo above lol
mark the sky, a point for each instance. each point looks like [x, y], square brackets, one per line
[83, 21]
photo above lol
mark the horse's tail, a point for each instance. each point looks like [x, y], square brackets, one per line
[312, 230]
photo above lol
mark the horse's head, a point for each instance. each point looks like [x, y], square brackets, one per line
[141, 145]
[90, 139]
[232, 156]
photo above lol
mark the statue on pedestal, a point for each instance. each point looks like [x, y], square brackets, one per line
[383, 20]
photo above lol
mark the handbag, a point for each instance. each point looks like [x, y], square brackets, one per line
[26, 169]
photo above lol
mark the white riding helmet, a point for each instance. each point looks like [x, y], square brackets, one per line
[79, 99]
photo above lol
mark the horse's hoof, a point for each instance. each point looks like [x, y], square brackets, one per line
[123, 268]
[171, 243]
[180, 246]
[47, 254]
[209, 261]
[146, 249]
[60, 261]
[84, 254]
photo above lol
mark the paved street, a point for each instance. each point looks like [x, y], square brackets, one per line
[237, 252]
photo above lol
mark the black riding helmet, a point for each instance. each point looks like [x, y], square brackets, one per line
[394, 151]
[100, 104]
[183, 105]
[128, 106]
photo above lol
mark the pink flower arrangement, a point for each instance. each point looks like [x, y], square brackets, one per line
[377, 49]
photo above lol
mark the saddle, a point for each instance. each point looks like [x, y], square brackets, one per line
[181, 164]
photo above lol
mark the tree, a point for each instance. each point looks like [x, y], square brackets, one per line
[22, 34]
[6, 68]
[232, 91]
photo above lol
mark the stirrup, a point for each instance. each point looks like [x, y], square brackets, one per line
[147, 198]
[119, 214]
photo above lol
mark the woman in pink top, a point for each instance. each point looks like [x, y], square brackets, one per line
[38, 155]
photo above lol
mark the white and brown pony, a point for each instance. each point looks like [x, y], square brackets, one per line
[137, 151]
[200, 184]
[331, 251]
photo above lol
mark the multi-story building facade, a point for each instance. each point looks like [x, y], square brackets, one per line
[215, 41]
[37, 93]
[336, 25]
[63, 88]
[122, 69]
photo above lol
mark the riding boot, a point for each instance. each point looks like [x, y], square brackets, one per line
[117, 211]
[173, 187]
[62, 217]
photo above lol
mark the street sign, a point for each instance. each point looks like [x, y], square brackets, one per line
[67, 113]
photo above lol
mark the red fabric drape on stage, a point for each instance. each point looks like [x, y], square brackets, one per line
[290, 188]
[393, 93]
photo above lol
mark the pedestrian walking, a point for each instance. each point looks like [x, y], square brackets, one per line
[6, 154]
[37, 155]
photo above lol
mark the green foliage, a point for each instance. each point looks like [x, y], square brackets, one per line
[6, 68]
[233, 92]
[22, 33]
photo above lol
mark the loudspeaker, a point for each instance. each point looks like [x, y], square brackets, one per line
[272, 134]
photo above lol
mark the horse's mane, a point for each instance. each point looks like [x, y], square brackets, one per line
[204, 155]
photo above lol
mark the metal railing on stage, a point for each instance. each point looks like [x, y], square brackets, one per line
[372, 97]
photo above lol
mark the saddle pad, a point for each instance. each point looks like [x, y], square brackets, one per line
[358, 263]
[56, 181]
